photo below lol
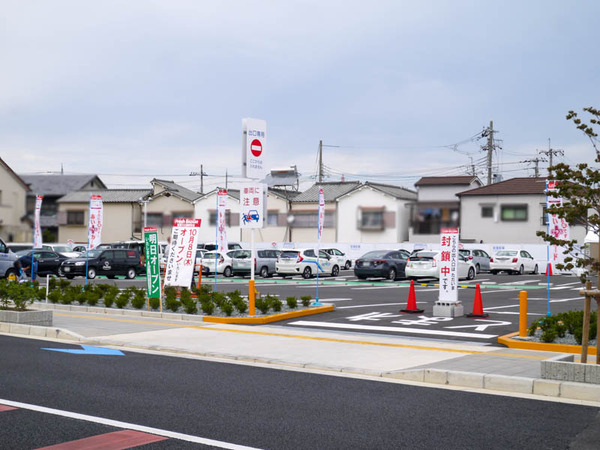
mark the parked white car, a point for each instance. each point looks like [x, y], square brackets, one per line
[304, 262]
[63, 249]
[223, 263]
[513, 261]
[425, 264]
[339, 256]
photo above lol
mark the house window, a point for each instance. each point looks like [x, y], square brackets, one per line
[154, 220]
[512, 213]
[487, 211]
[212, 218]
[311, 220]
[272, 218]
[184, 214]
[75, 217]
[371, 219]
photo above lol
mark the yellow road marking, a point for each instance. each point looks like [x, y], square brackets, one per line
[315, 338]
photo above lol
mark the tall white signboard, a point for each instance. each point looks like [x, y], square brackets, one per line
[37, 232]
[95, 222]
[448, 304]
[557, 227]
[182, 253]
[254, 141]
[222, 245]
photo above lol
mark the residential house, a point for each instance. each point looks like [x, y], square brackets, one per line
[53, 187]
[374, 213]
[438, 206]
[122, 214]
[13, 193]
[510, 211]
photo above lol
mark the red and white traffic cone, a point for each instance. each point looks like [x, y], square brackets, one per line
[411, 307]
[549, 269]
[478, 304]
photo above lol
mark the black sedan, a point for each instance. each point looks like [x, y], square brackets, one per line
[48, 262]
[388, 264]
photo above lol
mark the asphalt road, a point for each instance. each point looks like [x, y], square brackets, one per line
[259, 407]
[374, 306]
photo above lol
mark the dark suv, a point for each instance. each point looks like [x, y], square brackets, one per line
[107, 262]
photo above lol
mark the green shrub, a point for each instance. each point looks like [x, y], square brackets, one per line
[154, 303]
[189, 304]
[227, 307]
[55, 296]
[208, 307]
[92, 297]
[4, 293]
[63, 284]
[218, 298]
[52, 283]
[21, 294]
[306, 300]
[292, 302]
[240, 305]
[262, 304]
[139, 298]
[172, 304]
[122, 299]
[548, 335]
[110, 296]
[70, 294]
[275, 303]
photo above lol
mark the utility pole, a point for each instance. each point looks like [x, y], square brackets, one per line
[201, 174]
[536, 161]
[320, 177]
[490, 150]
[226, 179]
[551, 152]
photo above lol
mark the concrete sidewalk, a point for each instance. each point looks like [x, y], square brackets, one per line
[444, 363]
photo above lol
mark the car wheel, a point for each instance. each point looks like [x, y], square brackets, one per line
[335, 271]
[228, 272]
[477, 268]
[70, 277]
[10, 272]
[130, 273]
[494, 272]
[60, 272]
[347, 265]
[264, 272]
[535, 270]
[521, 270]
[91, 273]
[471, 273]
[307, 273]
[391, 274]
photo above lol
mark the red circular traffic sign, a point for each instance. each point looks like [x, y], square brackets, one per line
[256, 147]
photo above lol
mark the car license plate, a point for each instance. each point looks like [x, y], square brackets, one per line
[67, 269]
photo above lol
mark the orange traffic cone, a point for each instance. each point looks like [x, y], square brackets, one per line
[549, 269]
[411, 307]
[478, 304]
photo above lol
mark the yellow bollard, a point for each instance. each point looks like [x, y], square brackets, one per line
[523, 313]
[251, 297]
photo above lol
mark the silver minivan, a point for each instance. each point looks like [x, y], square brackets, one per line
[7, 261]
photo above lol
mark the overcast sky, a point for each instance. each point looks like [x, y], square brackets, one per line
[143, 88]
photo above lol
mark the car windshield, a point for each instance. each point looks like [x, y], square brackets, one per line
[507, 253]
[289, 254]
[425, 255]
[93, 253]
[375, 254]
[62, 248]
[465, 252]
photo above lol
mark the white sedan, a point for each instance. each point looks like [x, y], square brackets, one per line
[513, 261]
[223, 262]
[425, 264]
[305, 262]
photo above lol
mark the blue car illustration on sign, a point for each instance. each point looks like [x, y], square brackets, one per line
[251, 216]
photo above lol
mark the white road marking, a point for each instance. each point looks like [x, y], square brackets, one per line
[373, 305]
[394, 329]
[373, 287]
[125, 425]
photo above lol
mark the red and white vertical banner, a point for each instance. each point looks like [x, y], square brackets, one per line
[37, 231]
[321, 214]
[95, 222]
[221, 212]
[182, 256]
[448, 262]
[557, 227]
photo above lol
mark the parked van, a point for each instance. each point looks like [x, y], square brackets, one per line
[7, 261]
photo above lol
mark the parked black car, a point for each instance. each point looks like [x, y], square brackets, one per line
[48, 262]
[107, 262]
[388, 264]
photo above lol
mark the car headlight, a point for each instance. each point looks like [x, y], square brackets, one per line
[80, 263]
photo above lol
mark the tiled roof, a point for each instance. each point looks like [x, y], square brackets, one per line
[331, 191]
[284, 194]
[57, 185]
[177, 190]
[108, 195]
[394, 191]
[437, 181]
[514, 186]
[14, 175]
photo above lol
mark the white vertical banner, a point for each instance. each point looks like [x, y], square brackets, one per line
[252, 205]
[253, 148]
[221, 214]
[448, 263]
[321, 214]
[37, 231]
[95, 222]
[557, 227]
[182, 255]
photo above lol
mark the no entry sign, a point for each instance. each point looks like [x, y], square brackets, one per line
[256, 147]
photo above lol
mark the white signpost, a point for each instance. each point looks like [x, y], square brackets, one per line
[448, 304]
[254, 132]
[182, 254]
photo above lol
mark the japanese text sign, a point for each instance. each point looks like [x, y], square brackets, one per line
[252, 205]
[152, 262]
[95, 222]
[37, 232]
[448, 263]
[221, 223]
[321, 214]
[253, 152]
[182, 252]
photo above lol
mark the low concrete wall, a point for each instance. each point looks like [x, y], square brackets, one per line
[40, 318]
[564, 369]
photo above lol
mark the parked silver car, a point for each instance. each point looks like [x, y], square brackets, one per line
[7, 260]
[265, 262]
[479, 258]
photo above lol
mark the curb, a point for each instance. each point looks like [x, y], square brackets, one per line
[269, 319]
[541, 346]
